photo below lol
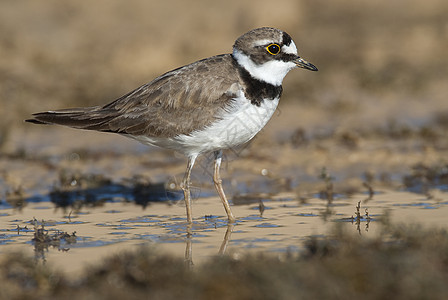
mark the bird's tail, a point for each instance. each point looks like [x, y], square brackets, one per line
[90, 118]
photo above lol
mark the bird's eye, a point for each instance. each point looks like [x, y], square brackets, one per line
[273, 49]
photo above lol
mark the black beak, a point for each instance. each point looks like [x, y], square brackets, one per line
[301, 63]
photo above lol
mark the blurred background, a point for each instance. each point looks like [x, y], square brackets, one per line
[56, 54]
[382, 64]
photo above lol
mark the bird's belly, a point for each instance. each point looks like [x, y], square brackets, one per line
[234, 127]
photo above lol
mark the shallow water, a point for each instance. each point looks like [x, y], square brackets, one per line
[283, 227]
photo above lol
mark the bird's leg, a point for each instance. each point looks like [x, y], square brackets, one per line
[218, 185]
[186, 187]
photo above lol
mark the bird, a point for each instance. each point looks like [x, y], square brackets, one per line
[208, 106]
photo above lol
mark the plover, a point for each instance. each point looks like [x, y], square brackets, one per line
[210, 105]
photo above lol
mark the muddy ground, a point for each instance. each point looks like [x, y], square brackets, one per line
[353, 164]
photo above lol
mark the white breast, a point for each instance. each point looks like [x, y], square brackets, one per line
[236, 125]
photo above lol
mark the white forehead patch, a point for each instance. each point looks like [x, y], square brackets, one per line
[291, 49]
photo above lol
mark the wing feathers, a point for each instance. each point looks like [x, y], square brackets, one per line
[178, 102]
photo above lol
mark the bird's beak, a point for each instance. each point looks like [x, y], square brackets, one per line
[301, 63]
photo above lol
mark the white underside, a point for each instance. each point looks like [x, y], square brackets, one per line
[236, 125]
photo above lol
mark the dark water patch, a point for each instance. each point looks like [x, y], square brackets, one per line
[264, 208]
[424, 205]
[140, 194]
[23, 201]
[267, 225]
[276, 234]
[78, 190]
[306, 215]
[15, 221]
[5, 205]
[104, 225]
[177, 219]
[6, 239]
[423, 178]
[122, 227]
[37, 199]
[70, 223]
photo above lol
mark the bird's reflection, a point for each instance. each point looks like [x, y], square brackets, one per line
[189, 246]
[225, 241]
[189, 243]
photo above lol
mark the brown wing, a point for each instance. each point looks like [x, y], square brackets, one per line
[178, 102]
